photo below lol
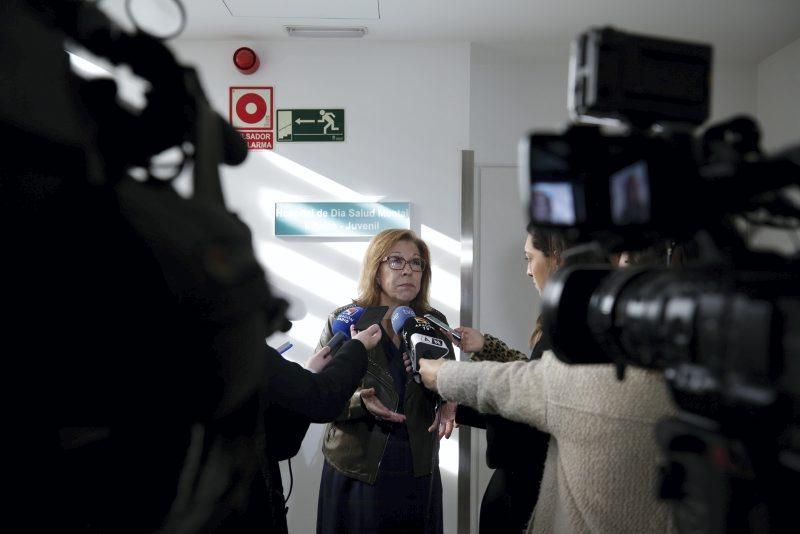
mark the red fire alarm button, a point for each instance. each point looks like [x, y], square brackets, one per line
[246, 60]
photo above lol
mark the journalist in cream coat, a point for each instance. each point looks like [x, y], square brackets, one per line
[601, 470]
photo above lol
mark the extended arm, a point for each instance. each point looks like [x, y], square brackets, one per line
[353, 407]
[491, 349]
[321, 396]
[515, 390]
[362, 401]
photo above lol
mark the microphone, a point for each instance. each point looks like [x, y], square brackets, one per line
[400, 316]
[341, 327]
[419, 336]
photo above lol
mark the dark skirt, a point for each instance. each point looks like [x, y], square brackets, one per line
[509, 500]
[398, 502]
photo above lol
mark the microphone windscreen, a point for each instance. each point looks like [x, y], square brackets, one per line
[421, 327]
[400, 315]
[345, 318]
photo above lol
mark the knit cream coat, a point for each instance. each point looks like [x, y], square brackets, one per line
[601, 470]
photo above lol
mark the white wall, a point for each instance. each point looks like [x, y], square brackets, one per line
[407, 117]
[512, 93]
[779, 97]
[779, 116]
[733, 91]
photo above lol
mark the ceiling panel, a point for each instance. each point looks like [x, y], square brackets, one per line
[740, 30]
[305, 9]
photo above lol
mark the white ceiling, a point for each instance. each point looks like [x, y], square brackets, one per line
[740, 30]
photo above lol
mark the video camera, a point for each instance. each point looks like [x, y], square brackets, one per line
[724, 327]
[142, 313]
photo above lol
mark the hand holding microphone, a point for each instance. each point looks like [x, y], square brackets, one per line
[429, 371]
[318, 361]
[420, 339]
[454, 335]
[342, 327]
[471, 340]
[369, 337]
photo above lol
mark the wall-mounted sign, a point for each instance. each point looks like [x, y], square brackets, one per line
[311, 124]
[339, 219]
[251, 113]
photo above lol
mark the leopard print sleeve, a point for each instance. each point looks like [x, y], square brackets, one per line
[495, 350]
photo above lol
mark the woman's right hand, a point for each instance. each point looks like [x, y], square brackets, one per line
[471, 339]
[320, 360]
[429, 371]
[369, 337]
[377, 408]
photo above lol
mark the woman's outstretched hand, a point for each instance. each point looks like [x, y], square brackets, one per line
[378, 409]
[445, 420]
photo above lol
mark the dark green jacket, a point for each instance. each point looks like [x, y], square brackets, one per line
[355, 442]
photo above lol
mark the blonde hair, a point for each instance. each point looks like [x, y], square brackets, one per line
[369, 292]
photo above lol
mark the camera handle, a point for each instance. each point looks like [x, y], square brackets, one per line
[176, 98]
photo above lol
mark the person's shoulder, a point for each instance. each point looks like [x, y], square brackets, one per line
[341, 309]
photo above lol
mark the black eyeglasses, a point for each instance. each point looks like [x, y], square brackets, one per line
[398, 263]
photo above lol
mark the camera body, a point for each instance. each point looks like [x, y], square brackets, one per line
[143, 313]
[722, 328]
[658, 179]
[620, 189]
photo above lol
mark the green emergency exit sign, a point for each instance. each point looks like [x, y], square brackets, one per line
[310, 124]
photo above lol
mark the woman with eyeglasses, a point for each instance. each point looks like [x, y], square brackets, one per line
[380, 473]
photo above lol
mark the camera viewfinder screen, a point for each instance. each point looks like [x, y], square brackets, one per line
[553, 203]
[630, 195]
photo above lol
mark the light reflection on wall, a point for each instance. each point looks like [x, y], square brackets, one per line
[436, 239]
[267, 198]
[303, 335]
[317, 278]
[445, 287]
[352, 249]
[448, 454]
[328, 186]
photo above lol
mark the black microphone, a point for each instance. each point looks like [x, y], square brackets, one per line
[419, 337]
